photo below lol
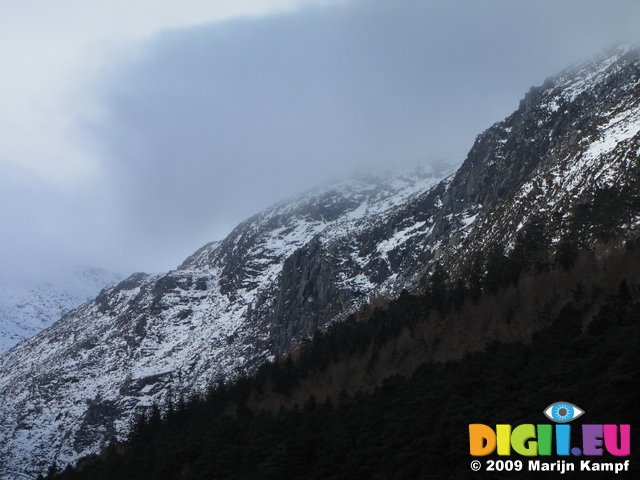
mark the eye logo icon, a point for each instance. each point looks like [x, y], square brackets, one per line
[563, 412]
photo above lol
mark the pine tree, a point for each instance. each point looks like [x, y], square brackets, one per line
[497, 269]
[438, 286]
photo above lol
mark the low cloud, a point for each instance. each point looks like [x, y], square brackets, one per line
[202, 126]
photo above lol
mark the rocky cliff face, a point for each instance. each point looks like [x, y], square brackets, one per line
[576, 135]
[303, 264]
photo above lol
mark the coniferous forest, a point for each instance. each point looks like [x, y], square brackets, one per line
[406, 410]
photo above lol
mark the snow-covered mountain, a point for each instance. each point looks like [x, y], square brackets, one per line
[573, 141]
[230, 306]
[303, 264]
[28, 307]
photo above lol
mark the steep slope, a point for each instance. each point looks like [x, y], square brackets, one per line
[28, 307]
[77, 384]
[303, 264]
[575, 139]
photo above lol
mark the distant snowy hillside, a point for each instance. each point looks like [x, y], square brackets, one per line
[27, 308]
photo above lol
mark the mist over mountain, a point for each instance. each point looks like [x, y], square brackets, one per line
[134, 134]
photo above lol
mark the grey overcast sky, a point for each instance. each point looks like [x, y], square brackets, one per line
[131, 133]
